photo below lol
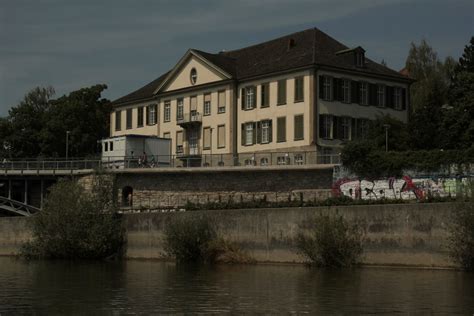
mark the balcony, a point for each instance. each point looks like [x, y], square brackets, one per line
[190, 119]
[188, 151]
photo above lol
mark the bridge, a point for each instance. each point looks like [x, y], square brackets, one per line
[17, 208]
[24, 183]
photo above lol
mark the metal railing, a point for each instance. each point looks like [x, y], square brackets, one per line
[261, 159]
[188, 118]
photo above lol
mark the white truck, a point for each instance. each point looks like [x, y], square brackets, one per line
[135, 151]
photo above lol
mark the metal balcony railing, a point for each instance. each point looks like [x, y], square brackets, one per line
[189, 119]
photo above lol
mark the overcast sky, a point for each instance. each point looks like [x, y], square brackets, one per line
[126, 44]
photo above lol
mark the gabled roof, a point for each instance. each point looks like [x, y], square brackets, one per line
[302, 49]
[143, 93]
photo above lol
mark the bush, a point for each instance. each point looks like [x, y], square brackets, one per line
[195, 239]
[330, 242]
[75, 224]
[461, 240]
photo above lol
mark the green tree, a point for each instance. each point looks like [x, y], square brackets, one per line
[85, 114]
[458, 116]
[398, 135]
[26, 121]
[429, 72]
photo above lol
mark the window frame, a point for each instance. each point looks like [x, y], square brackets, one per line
[265, 95]
[250, 96]
[297, 79]
[363, 93]
[397, 98]
[381, 95]
[282, 86]
[249, 128]
[129, 118]
[204, 130]
[118, 120]
[220, 107]
[327, 88]
[302, 127]
[327, 126]
[207, 105]
[152, 115]
[179, 109]
[346, 127]
[167, 111]
[346, 90]
[140, 116]
[265, 131]
[219, 127]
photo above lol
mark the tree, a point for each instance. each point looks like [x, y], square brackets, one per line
[85, 114]
[458, 118]
[429, 72]
[398, 135]
[26, 121]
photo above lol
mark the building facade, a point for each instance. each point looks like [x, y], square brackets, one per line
[304, 92]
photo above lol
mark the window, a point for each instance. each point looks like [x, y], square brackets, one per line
[248, 133]
[129, 118]
[140, 117]
[363, 93]
[221, 136]
[264, 95]
[346, 91]
[281, 86]
[118, 120]
[283, 160]
[167, 135]
[345, 128]
[265, 132]
[249, 98]
[193, 76]
[299, 89]
[151, 114]
[299, 127]
[362, 128]
[221, 102]
[179, 142]
[106, 146]
[299, 159]
[193, 104]
[281, 129]
[206, 138]
[111, 146]
[207, 104]
[264, 161]
[360, 59]
[380, 95]
[327, 88]
[179, 109]
[397, 98]
[325, 126]
[167, 111]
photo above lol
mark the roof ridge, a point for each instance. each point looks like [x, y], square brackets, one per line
[272, 40]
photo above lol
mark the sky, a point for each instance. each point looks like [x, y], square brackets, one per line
[126, 44]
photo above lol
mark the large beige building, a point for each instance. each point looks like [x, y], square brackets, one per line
[301, 93]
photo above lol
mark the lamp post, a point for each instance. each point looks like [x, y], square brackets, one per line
[386, 126]
[67, 144]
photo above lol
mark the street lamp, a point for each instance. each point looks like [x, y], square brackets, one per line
[67, 144]
[386, 126]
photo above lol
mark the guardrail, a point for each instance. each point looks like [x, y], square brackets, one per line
[173, 161]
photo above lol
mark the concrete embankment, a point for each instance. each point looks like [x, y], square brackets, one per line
[396, 234]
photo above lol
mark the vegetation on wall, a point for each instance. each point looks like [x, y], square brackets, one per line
[76, 224]
[461, 229]
[196, 239]
[330, 242]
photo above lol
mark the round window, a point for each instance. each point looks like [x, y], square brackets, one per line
[193, 76]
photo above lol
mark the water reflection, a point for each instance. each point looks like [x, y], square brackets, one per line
[156, 287]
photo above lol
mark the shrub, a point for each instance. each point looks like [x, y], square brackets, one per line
[461, 240]
[330, 242]
[75, 224]
[195, 239]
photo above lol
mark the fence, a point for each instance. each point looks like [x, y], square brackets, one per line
[173, 161]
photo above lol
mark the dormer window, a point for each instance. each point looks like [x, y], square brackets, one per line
[360, 59]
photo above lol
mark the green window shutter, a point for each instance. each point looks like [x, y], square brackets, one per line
[335, 89]
[254, 133]
[354, 92]
[281, 129]
[404, 99]
[321, 87]
[242, 97]
[298, 127]
[258, 132]
[335, 127]
[270, 131]
[353, 129]
[372, 94]
[254, 96]
[242, 130]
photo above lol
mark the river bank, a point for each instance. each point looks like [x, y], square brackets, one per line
[394, 234]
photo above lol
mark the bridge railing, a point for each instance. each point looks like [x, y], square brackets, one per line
[175, 161]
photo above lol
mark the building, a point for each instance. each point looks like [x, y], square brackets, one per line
[304, 92]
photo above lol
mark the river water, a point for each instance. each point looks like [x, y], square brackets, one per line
[153, 287]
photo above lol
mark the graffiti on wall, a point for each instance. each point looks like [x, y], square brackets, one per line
[405, 188]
